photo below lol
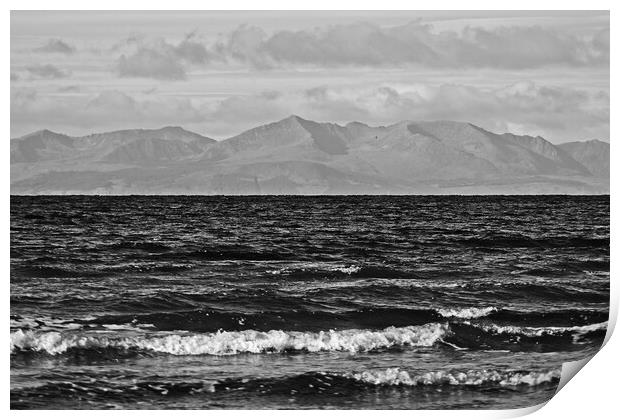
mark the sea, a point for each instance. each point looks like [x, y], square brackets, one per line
[303, 302]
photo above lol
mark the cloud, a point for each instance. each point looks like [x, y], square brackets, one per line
[115, 106]
[244, 44]
[366, 44]
[600, 43]
[108, 110]
[557, 113]
[162, 60]
[150, 63]
[368, 72]
[112, 101]
[253, 110]
[190, 50]
[47, 71]
[69, 89]
[56, 46]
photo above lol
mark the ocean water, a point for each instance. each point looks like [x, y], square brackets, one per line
[351, 302]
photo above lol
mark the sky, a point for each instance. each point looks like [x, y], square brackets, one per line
[220, 73]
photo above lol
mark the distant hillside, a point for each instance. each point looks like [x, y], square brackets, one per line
[127, 146]
[592, 154]
[298, 156]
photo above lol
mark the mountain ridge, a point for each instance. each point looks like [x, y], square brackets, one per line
[299, 156]
[593, 154]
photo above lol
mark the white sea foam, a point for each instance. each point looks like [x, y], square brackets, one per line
[579, 330]
[467, 313]
[346, 269]
[235, 342]
[368, 283]
[44, 323]
[396, 376]
[128, 327]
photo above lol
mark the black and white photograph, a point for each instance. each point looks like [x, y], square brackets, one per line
[338, 209]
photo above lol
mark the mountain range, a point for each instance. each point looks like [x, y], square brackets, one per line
[299, 156]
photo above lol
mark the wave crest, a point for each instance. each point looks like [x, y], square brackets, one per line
[467, 313]
[398, 377]
[578, 330]
[235, 342]
[317, 268]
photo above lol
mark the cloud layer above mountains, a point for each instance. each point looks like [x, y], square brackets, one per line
[540, 74]
[365, 44]
[368, 45]
[520, 108]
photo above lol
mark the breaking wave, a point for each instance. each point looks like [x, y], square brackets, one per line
[325, 383]
[398, 377]
[488, 336]
[308, 316]
[467, 313]
[129, 339]
[579, 330]
[310, 320]
[234, 342]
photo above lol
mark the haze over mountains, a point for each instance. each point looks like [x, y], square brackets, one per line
[298, 156]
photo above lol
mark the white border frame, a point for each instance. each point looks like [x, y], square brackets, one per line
[592, 394]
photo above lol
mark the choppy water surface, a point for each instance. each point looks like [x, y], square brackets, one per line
[303, 302]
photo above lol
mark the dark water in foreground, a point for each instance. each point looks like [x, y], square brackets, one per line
[303, 302]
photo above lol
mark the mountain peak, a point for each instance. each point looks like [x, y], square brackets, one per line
[596, 141]
[593, 154]
[172, 128]
[292, 119]
[356, 124]
[584, 143]
[43, 133]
